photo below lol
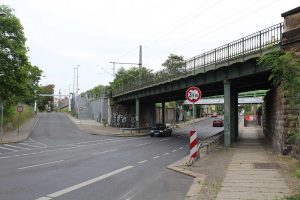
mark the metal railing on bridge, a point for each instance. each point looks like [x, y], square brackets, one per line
[256, 42]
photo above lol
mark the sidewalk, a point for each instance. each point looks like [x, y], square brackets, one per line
[244, 171]
[24, 130]
[95, 128]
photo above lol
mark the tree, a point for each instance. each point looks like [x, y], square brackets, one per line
[174, 63]
[285, 73]
[19, 79]
[128, 78]
[97, 91]
[43, 101]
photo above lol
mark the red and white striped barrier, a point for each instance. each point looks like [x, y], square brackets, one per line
[193, 144]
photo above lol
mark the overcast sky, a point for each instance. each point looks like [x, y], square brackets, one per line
[62, 34]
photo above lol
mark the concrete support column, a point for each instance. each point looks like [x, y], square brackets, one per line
[163, 106]
[109, 113]
[137, 113]
[234, 113]
[152, 115]
[230, 115]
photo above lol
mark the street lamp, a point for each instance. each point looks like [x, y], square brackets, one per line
[2, 14]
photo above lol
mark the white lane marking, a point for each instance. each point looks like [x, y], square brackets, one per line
[125, 195]
[78, 143]
[103, 152]
[30, 145]
[53, 150]
[156, 157]
[164, 140]
[181, 148]
[45, 146]
[83, 184]
[166, 154]
[138, 145]
[17, 147]
[8, 149]
[174, 150]
[91, 141]
[143, 161]
[41, 164]
[44, 198]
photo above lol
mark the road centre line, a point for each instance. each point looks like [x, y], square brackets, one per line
[8, 149]
[143, 161]
[103, 152]
[164, 140]
[41, 164]
[180, 147]
[174, 150]
[53, 150]
[17, 147]
[156, 157]
[166, 154]
[78, 143]
[83, 184]
[138, 145]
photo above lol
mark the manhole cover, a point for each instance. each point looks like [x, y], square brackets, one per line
[266, 166]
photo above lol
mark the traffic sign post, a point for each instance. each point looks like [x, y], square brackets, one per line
[193, 94]
[19, 110]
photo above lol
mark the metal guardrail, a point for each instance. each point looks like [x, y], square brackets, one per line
[256, 42]
[210, 143]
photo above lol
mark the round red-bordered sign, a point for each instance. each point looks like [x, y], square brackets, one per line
[20, 109]
[193, 94]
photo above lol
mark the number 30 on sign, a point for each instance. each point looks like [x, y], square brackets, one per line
[193, 94]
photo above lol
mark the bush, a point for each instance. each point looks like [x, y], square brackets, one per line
[10, 120]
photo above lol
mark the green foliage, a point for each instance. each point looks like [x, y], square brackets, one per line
[129, 77]
[294, 197]
[43, 101]
[285, 69]
[297, 172]
[174, 63]
[99, 90]
[19, 79]
[10, 120]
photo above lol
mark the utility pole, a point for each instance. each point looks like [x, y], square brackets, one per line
[125, 63]
[77, 91]
[74, 80]
[140, 65]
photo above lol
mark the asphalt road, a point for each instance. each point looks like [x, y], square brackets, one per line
[61, 162]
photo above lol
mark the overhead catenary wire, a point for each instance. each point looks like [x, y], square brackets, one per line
[185, 20]
[216, 28]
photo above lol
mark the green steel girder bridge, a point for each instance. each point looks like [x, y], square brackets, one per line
[227, 70]
[232, 61]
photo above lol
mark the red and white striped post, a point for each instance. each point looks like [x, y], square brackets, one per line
[193, 144]
[193, 94]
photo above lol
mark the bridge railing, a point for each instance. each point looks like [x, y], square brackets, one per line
[256, 42]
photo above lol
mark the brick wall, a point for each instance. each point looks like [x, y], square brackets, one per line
[280, 118]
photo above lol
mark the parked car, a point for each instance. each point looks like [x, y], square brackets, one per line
[161, 130]
[218, 122]
[214, 115]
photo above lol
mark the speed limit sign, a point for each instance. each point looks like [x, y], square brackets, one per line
[193, 94]
[19, 109]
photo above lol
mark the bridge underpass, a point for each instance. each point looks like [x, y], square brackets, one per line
[226, 70]
[237, 71]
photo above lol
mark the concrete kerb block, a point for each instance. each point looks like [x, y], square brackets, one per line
[198, 181]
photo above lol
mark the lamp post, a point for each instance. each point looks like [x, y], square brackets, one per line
[2, 14]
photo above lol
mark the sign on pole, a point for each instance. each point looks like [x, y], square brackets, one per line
[19, 109]
[193, 94]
